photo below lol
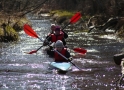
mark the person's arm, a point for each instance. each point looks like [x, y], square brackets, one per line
[63, 40]
[67, 55]
[65, 34]
[50, 53]
[47, 40]
[47, 36]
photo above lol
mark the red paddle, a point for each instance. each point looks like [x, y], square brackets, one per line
[80, 50]
[29, 31]
[74, 19]
[35, 51]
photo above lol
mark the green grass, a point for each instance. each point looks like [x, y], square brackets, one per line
[62, 13]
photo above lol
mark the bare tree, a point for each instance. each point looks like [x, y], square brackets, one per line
[22, 7]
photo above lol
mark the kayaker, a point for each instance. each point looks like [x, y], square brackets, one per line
[53, 26]
[57, 34]
[59, 46]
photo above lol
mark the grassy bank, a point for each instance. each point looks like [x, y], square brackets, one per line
[61, 16]
[62, 13]
[10, 26]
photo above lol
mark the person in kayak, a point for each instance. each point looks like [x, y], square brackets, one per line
[53, 26]
[56, 34]
[59, 46]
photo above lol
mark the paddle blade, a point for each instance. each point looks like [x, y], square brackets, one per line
[35, 51]
[80, 50]
[29, 31]
[75, 18]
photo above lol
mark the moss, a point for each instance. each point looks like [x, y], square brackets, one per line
[62, 16]
[1, 32]
[12, 27]
[18, 23]
[62, 13]
[11, 35]
[11, 32]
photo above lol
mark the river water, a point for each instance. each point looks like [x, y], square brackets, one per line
[22, 71]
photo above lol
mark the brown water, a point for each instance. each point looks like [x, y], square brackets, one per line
[21, 71]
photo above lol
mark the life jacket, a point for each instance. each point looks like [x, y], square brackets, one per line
[54, 37]
[59, 58]
[52, 33]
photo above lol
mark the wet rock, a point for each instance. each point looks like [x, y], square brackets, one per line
[118, 58]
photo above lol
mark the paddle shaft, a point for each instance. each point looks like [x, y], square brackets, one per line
[67, 59]
[65, 26]
[74, 19]
[39, 48]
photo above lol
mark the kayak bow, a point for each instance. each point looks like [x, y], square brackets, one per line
[63, 66]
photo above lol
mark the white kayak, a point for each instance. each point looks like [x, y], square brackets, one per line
[64, 66]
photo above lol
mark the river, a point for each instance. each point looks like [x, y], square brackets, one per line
[22, 71]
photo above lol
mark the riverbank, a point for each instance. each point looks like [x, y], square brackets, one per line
[59, 17]
[10, 26]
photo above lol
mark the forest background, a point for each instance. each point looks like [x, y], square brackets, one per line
[12, 12]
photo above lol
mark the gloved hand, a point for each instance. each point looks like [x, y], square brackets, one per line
[51, 48]
[45, 43]
[70, 59]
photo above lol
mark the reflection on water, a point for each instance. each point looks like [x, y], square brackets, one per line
[21, 71]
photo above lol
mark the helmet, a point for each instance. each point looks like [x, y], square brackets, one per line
[53, 27]
[57, 28]
[52, 24]
[59, 43]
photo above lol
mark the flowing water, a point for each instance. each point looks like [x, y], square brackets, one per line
[21, 71]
